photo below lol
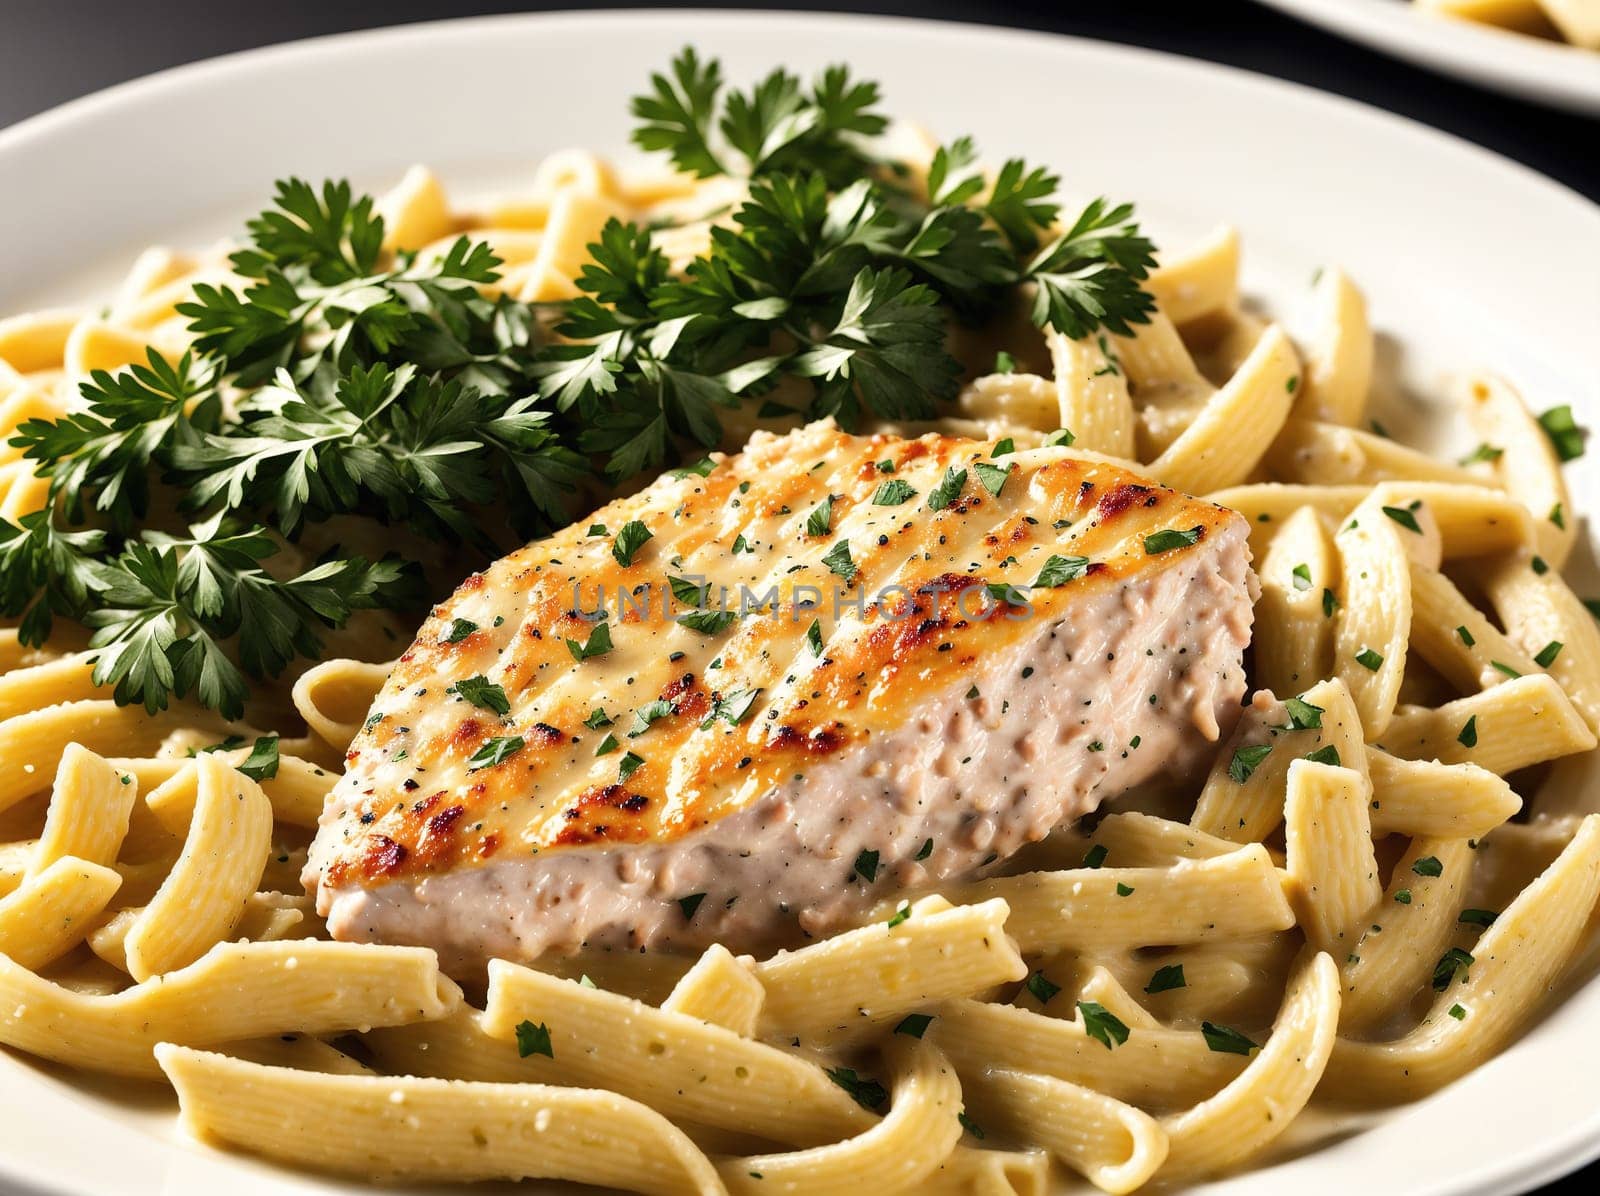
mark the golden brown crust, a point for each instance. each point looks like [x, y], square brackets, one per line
[412, 802]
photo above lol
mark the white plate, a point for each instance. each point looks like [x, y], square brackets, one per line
[1467, 259]
[1531, 67]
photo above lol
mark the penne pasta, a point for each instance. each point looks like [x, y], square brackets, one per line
[604, 1040]
[237, 991]
[914, 1137]
[1113, 1145]
[1237, 424]
[368, 1126]
[1333, 872]
[919, 955]
[1339, 361]
[1261, 1101]
[1493, 987]
[1192, 901]
[1407, 930]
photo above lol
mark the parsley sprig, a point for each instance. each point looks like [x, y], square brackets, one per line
[336, 379]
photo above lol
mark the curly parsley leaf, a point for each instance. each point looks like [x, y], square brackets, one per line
[1089, 276]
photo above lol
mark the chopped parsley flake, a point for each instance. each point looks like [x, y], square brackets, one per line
[1095, 856]
[482, 692]
[900, 915]
[1042, 988]
[1566, 437]
[708, 622]
[948, 489]
[629, 765]
[1246, 760]
[607, 745]
[867, 1093]
[1548, 653]
[1403, 896]
[732, 708]
[925, 850]
[1326, 754]
[1003, 447]
[599, 644]
[866, 866]
[914, 1025]
[893, 492]
[1329, 603]
[1124, 890]
[1404, 517]
[1100, 1024]
[1466, 636]
[838, 560]
[1368, 659]
[1302, 577]
[534, 1040]
[1428, 865]
[1004, 363]
[495, 751]
[1469, 733]
[459, 630]
[1058, 570]
[690, 904]
[647, 714]
[630, 539]
[993, 477]
[1477, 917]
[1457, 1012]
[1007, 594]
[1166, 979]
[1165, 541]
[971, 1126]
[821, 519]
[1303, 715]
[260, 765]
[814, 637]
[1226, 1040]
[1452, 963]
[687, 592]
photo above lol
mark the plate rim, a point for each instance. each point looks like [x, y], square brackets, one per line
[1541, 1161]
[85, 107]
[1530, 68]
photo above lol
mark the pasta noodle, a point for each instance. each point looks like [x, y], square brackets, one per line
[896, 1154]
[371, 1125]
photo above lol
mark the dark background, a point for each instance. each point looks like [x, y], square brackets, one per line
[55, 50]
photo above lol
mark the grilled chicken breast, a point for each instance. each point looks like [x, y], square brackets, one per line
[571, 754]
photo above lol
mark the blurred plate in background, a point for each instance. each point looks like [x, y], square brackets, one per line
[1531, 67]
